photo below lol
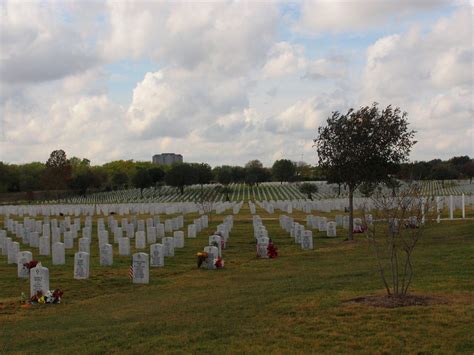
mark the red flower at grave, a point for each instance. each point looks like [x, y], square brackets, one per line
[219, 263]
[58, 293]
[31, 264]
[359, 229]
[272, 251]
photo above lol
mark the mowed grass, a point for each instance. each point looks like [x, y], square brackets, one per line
[295, 303]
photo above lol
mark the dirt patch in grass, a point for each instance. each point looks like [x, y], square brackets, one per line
[386, 301]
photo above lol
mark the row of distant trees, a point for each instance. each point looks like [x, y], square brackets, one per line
[61, 173]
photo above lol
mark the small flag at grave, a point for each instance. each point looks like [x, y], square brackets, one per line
[130, 272]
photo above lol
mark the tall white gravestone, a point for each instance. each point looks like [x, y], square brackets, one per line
[81, 265]
[106, 255]
[39, 280]
[141, 271]
[59, 254]
[156, 255]
[23, 258]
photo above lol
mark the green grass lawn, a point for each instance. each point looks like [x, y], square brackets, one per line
[294, 303]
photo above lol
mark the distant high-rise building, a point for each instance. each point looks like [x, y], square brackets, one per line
[167, 158]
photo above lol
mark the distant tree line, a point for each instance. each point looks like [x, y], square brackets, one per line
[461, 167]
[62, 173]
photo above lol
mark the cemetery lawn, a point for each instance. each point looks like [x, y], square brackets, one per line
[295, 303]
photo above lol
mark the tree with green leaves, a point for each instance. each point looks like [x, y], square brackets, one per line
[9, 178]
[142, 179]
[283, 170]
[238, 174]
[30, 176]
[365, 145]
[180, 175]
[308, 189]
[58, 172]
[223, 174]
[157, 175]
[83, 180]
[367, 188]
[443, 171]
[203, 175]
[255, 173]
[468, 170]
[119, 179]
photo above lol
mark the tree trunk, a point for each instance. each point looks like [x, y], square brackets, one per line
[350, 234]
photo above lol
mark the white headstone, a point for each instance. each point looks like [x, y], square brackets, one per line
[160, 230]
[34, 239]
[106, 255]
[168, 246]
[156, 255]
[59, 255]
[168, 225]
[307, 240]
[140, 240]
[124, 246]
[44, 246]
[216, 240]
[212, 254]
[191, 231]
[103, 238]
[23, 258]
[322, 226]
[151, 235]
[85, 245]
[178, 237]
[141, 272]
[39, 280]
[262, 247]
[68, 240]
[331, 229]
[13, 250]
[81, 265]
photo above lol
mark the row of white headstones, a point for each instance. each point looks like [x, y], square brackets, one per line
[29, 235]
[39, 275]
[121, 209]
[140, 261]
[340, 204]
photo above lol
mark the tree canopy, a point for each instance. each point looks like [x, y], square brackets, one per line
[284, 170]
[365, 145]
[308, 189]
[180, 175]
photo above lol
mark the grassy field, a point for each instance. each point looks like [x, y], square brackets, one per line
[295, 303]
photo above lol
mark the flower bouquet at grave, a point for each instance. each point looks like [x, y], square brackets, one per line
[359, 229]
[272, 250]
[219, 263]
[50, 297]
[201, 257]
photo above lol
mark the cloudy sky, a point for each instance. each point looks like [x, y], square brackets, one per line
[226, 82]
